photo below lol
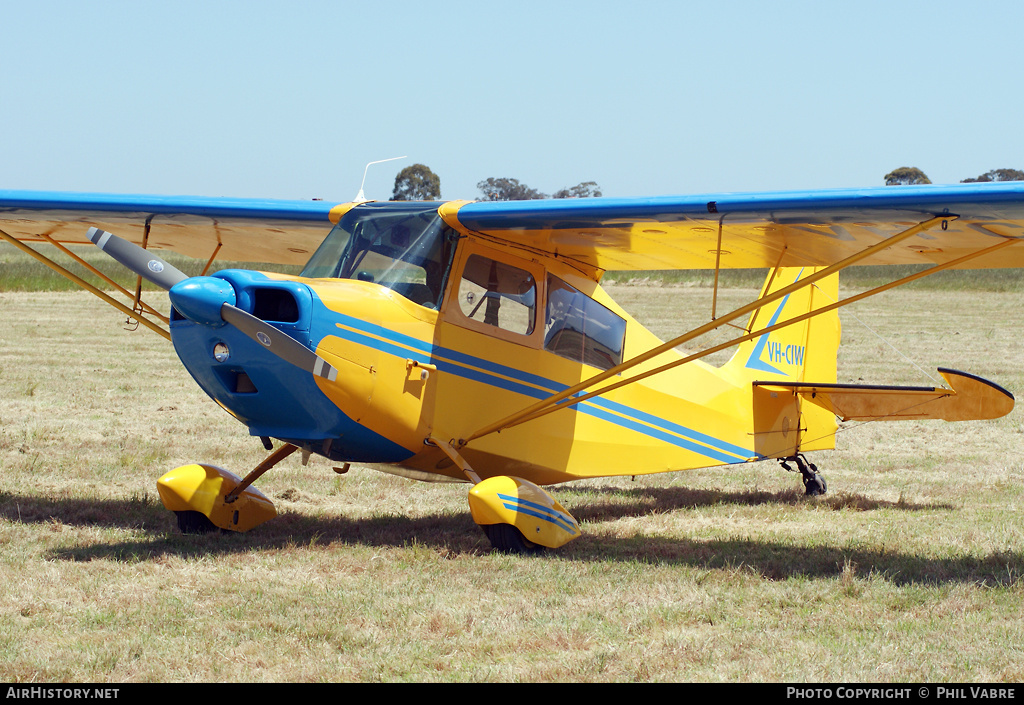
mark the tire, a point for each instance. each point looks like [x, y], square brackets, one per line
[816, 486]
[508, 539]
[191, 522]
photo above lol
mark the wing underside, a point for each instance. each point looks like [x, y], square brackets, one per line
[244, 230]
[733, 231]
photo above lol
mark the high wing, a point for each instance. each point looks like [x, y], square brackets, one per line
[726, 231]
[243, 230]
[756, 230]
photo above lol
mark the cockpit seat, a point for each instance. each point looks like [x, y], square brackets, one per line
[417, 293]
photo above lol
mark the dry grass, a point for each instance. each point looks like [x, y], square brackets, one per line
[909, 570]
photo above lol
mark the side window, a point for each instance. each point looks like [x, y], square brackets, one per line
[498, 294]
[579, 328]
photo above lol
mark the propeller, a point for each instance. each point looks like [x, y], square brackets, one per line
[210, 301]
[142, 262]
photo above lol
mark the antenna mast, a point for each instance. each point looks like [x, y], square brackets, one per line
[361, 197]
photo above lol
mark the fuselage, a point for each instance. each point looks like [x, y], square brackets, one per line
[435, 332]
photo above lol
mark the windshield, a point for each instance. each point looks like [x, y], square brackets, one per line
[403, 246]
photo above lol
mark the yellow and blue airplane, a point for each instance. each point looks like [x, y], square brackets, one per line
[473, 341]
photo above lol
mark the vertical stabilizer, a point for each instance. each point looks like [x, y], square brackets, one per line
[802, 352]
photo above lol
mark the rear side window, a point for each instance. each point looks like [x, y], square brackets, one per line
[581, 329]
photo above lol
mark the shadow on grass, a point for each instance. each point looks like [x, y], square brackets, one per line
[139, 512]
[646, 500]
[456, 535]
[777, 561]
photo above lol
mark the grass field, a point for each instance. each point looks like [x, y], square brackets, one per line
[910, 569]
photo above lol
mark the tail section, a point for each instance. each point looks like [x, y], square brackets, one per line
[801, 352]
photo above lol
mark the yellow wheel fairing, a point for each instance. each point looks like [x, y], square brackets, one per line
[202, 488]
[524, 505]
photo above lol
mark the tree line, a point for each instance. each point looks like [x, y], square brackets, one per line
[419, 183]
[908, 175]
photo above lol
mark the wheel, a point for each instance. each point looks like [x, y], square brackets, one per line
[815, 485]
[191, 522]
[508, 539]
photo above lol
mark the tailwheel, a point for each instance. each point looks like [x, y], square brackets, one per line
[814, 481]
[508, 539]
[815, 485]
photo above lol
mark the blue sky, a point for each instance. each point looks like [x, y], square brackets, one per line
[291, 100]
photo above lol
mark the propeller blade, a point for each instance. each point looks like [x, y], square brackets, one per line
[142, 262]
[281, 344]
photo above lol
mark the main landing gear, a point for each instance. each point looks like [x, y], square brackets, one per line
[814, 482]
[516, 515]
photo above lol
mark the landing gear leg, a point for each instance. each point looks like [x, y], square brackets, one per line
[814, 482]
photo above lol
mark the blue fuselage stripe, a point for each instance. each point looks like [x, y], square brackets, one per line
[533, 386]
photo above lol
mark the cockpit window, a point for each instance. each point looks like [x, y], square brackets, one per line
[403, 246]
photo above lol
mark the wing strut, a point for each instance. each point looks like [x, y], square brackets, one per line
[767, 287]
[209, 262]
[145, 307]
[138, 279]
[718, 267]
[562, 399]
[84, 284]
[765, 331]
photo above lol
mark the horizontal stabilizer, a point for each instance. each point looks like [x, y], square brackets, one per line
[969, 398]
